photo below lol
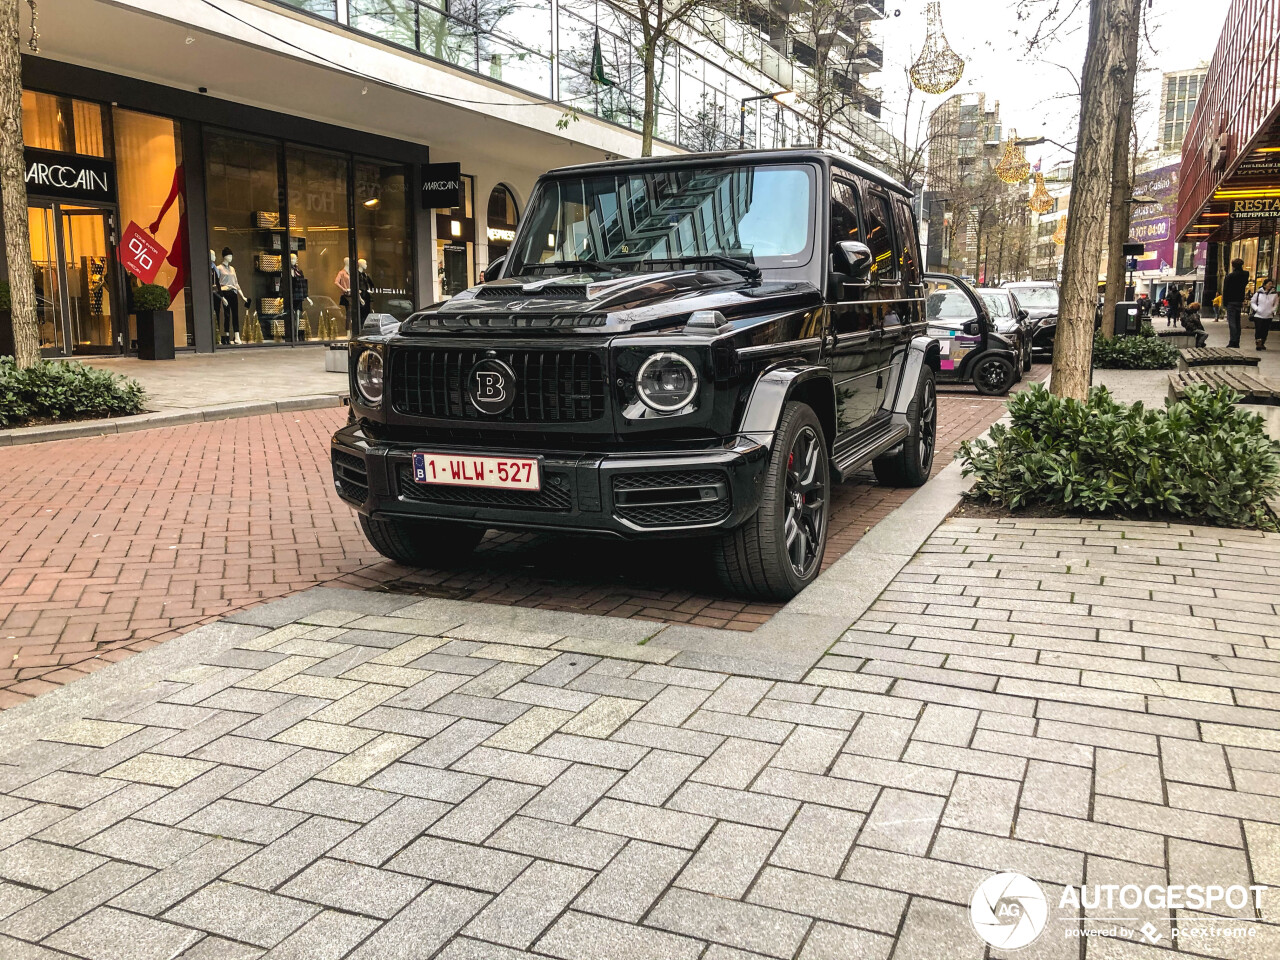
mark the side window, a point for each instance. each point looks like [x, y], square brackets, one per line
[879, 229]
[910, 244]
[845, 222]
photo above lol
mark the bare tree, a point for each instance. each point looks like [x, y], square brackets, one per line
[909, 155]
[1110, 24]
[13, 187]
[828, 28]
[1122, 154]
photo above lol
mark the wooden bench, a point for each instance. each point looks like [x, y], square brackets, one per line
[1177, 337]
[1255, 390]
[1190, 357]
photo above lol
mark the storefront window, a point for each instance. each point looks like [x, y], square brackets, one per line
[319, 259]
[61, 123]
[501, 224]
[455, 245]
[383, 240]
[151, 180]
[243, 208]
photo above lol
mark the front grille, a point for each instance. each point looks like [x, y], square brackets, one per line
[553, 386]
[350, 477]
[555, 495]
[672, 498]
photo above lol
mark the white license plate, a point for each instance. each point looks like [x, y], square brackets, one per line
[508, 473]
[945, 347]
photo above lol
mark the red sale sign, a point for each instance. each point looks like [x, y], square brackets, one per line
[140, 253]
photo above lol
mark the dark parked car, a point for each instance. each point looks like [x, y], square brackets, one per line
[693, 346]
[1010, 321]
[972, 351]
[1040, 299]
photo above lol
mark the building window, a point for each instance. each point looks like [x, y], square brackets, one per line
[501, 221]
[321, 277]
[63, 124]
[455, 244]
[383, 238]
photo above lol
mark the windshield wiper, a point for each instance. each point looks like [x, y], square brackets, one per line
[744, 267]
[584, 264]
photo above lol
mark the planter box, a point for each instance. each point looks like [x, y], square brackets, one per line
[155, 334]
[335, 358]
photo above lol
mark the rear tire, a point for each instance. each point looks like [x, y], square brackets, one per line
[420, 543]
[994, 375]
[778, 552]
[910, 465]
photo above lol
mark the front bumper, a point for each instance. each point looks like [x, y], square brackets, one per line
[632, 494]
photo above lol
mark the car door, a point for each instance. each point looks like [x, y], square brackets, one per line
[956, 319]
[855, 323]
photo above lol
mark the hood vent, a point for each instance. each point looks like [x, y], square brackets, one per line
[563, 291]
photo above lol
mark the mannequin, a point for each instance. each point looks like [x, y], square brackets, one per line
[229, 288]
[364, 285]
[219, 304]
[299, 284]
[343, 282]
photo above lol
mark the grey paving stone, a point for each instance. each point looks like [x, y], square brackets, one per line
[981, 762]
[738, 695]
[459, 863]
[1202, 863]
[728, 860]
[44, 865]
[518, 915]
[1134, 776]
[1189, 824]
[485, 761]
[923, 876]
[562, 669]
[572, 793]
[222, 722]
[108, 934]
[934, 930]
[150, 844]
[809, 750]
[941, 723]
[751, 927]
[1190, 761]
[427, 692]
[31, 820]
[421, 928]
[413, 723]
[668, 738]
[354, 888]
[1103, 839]
[839, 901]
[1034, 860]
[317, 735]
[655, 778]
[97, 816]
[892, 773]
[77, 898]
[336, 800]
[196, 795]
[464, 948]
[582, 936]
[451, 743]
[982, 804]
[427, 783]
[483, 812]
[647, 823]
[829, 941]
[162, 890]
[754, 728]
[880, 736]
[672, 706]
[1057, 788]
[242, 913]
[833, 791]
[14, 897]
[391, 831]
[902, 821]
[601, 753]
[67, 789]
[96, 761]
[557, 841]
[739, 806]
[296, 769]
[250, 822]
[633, 880]
[327, 936]
[818, 840]
[549, 698]
[245, 752]
[735, 763]
[278, 861]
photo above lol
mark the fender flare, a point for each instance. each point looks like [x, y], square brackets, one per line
[921, 352]
[776, 387]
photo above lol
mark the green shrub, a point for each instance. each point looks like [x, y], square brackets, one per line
[150, 296]
[1201, 458]
[64, 391]
[1146, 330]
[1133, 353]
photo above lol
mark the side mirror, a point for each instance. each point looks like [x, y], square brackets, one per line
[1022, 314]
[857, 260]
[494, 270]
[973, 328]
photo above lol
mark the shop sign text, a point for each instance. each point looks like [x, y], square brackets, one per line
[70, 177]
[1255, 208]
[441, 186]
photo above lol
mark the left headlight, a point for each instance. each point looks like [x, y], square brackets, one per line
[666, 382]
[369, 381]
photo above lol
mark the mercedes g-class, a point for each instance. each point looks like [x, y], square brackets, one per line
[674, 347]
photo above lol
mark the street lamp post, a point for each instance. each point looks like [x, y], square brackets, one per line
[780, 96]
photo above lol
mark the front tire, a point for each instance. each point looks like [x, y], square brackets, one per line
[778, 552]
[994, 375]
[420, 543]
[910, 465]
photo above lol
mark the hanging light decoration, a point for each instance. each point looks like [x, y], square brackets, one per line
[1060, 235]
[938, 68]
[1013, 166]
[1040, 200]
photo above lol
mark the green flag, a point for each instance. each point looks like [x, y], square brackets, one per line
[597, 63]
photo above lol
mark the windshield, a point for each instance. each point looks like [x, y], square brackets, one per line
[760, 215]
[1038, 297]
[997, 305]
[949, 305]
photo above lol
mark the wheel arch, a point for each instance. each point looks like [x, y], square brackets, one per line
[805, 383]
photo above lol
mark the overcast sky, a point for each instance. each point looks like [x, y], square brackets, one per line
[1037, 95]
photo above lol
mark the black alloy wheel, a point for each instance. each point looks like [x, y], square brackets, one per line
[806, 503]
[908, 465]
[993, 375]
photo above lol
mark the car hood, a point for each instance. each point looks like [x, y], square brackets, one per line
[589, 303]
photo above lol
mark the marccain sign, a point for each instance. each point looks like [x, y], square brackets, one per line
[1255, 208]
[68, 176]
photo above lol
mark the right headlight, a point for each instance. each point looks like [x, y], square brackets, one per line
[666, 382]
[369, 380]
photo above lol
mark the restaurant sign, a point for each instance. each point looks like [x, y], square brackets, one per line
[1256, 208]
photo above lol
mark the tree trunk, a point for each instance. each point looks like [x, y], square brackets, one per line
[649, 59]
[1110, 23]
[13, 188]
[1121, 187]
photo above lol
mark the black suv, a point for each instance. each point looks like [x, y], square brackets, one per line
[691, 346]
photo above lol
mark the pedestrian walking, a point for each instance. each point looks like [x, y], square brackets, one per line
[1174, 299]
[1264, 304]
[1233, 297]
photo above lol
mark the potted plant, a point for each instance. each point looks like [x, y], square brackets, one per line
[155, 322]
[6, 321]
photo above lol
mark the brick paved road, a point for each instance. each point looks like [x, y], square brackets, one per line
[1073, 701]
[110, 545]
